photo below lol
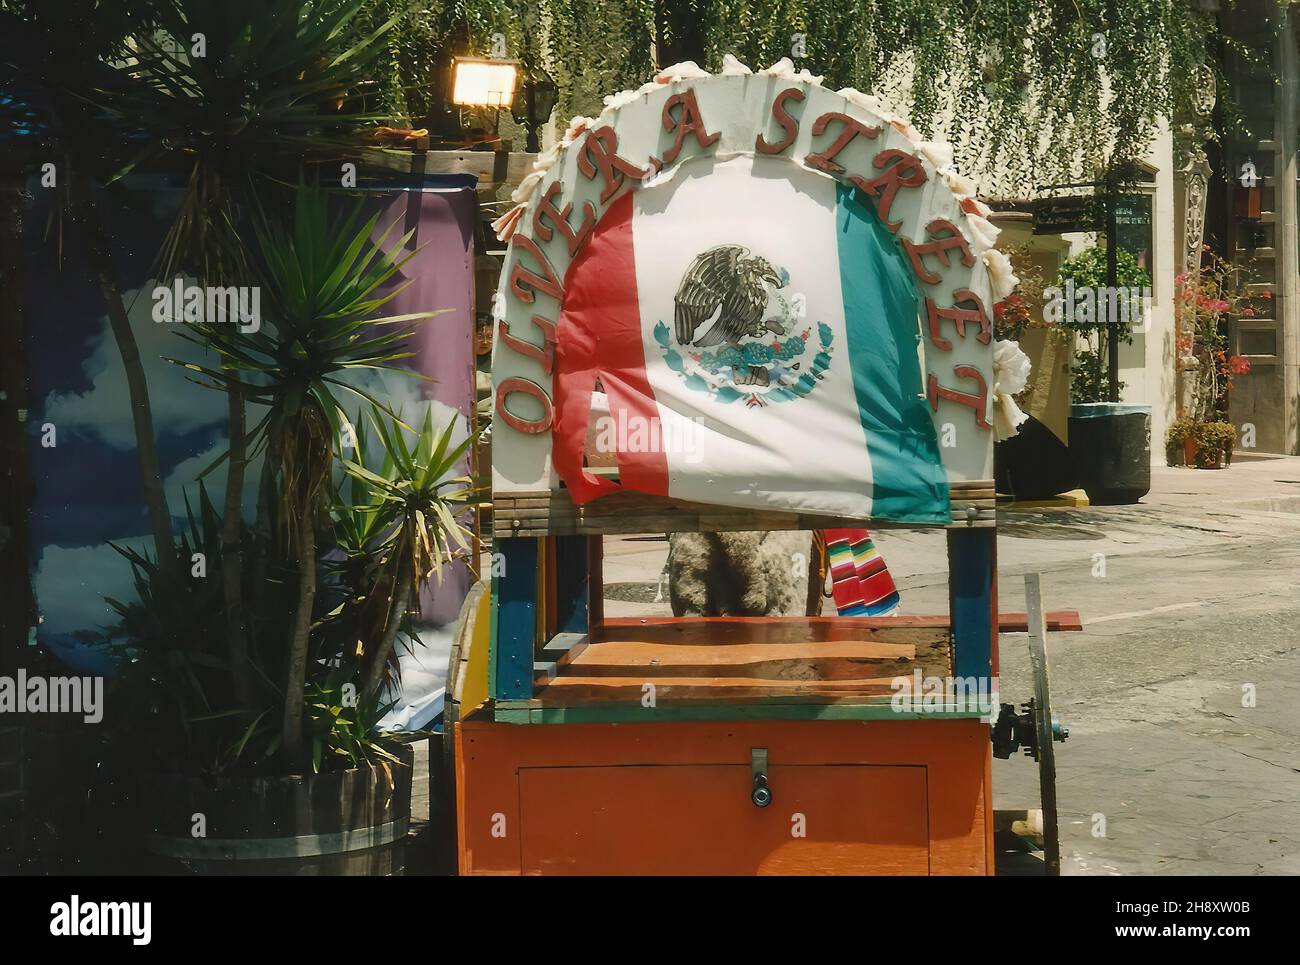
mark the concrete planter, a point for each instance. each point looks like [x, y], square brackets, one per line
[1110, 447]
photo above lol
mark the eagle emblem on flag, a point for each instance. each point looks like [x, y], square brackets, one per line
[735, 324]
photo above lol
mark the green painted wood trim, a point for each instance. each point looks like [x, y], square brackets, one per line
[521, 712]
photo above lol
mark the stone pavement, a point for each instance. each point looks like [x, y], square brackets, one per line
[1186, 599]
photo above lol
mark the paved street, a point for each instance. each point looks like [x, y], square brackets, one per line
[1198, 600]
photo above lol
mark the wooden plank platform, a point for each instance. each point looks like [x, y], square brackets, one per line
[974, 504]
[734, 668]
[742, 660]
[491, 168]
[839, 660]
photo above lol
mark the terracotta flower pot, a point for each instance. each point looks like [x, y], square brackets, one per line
[1189, 452]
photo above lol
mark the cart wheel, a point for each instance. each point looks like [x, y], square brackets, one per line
[1047, 729]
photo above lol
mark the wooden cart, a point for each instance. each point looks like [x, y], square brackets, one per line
[727, 745]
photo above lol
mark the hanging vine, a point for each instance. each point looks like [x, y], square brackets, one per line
[423, 37]
[1028, 91]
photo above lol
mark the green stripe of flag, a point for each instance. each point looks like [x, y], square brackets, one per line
[909, 483]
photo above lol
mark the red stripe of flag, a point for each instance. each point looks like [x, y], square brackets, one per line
[599, 337]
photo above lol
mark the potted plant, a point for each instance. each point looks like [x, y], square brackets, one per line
[258, 640]
[1180, 442]
[328, 576]
[1110, 442]
[1214, 442]
[1207, 303]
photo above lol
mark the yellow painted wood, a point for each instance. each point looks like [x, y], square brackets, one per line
[475, 637]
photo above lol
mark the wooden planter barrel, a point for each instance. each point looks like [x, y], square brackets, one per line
[351, 822]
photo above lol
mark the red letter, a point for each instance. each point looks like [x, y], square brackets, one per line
[547, 283]
[599, 152]
[783, 118]
[977, 402]
[527, 387]
[906, 173]
[560, 219]
[544, 355]
[959, 317]
[952, 238]
[689, 123]
[852, 128]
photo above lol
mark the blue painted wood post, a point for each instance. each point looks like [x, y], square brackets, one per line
[971, 577]
[571, 584]
[514, 623]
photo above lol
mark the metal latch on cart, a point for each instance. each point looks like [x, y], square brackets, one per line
[761, 794]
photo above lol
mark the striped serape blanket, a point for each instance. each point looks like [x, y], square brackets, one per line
[860, 581]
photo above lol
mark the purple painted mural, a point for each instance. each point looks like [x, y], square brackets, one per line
[439, 277]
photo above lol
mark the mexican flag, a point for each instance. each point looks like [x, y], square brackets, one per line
[756, 332]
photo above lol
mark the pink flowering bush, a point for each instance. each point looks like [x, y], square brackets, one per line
[1206, 304]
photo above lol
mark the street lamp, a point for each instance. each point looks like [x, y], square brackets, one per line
[533, 103]
[479, 82]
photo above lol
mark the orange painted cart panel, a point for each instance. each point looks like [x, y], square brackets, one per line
[849, 797]
[689, 819]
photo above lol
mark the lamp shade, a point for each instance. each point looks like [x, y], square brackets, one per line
[477, 82]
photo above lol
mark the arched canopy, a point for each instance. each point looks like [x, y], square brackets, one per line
[784, 293]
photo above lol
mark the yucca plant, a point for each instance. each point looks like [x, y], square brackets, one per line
[342, 722]
[241, 94]
[235, 95]
[322, 280]
[402, 511]
[175, 683]
[174, 672]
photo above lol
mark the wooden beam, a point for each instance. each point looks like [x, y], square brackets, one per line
[970, 601]
[515, 618]
[566, 690]
[1012, 622]
[489, 167]
[558, 651]
[974, 505]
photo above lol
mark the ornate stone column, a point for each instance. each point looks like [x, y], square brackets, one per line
[1193, 179]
